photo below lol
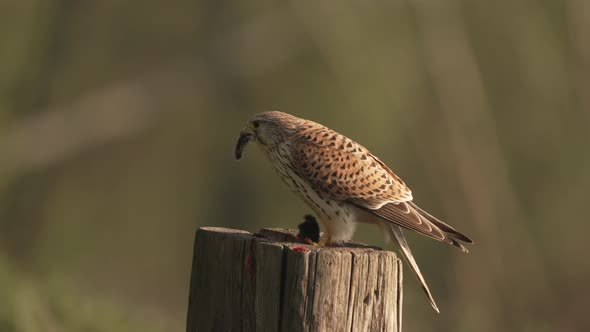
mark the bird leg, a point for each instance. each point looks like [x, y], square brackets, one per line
[324, 241]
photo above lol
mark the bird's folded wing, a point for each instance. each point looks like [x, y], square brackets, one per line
[345, 170]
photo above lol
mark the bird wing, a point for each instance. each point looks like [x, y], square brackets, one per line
[347, 171]
[343, 168]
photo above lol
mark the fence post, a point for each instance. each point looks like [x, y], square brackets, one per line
[270, 282]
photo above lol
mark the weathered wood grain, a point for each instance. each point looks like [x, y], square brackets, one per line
[270, 282]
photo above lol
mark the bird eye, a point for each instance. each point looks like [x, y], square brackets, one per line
[255, 124]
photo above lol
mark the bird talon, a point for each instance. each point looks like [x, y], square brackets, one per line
[310, 242]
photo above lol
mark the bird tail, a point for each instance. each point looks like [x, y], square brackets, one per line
[396, 234]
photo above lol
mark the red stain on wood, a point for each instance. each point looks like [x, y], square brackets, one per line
[300, 249]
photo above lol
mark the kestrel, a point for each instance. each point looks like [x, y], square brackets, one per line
[343, 183]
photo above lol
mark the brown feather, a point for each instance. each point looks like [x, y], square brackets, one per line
[416, 221]
[443, 226]
[335, 164]
[411, 220]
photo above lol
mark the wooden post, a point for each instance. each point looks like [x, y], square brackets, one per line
[270, 282]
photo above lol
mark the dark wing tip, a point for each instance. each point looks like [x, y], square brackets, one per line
[460, 237]
[459, 246]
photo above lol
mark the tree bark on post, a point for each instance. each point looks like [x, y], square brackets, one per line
[270, 282]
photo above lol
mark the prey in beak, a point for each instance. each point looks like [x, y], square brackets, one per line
[244, 138]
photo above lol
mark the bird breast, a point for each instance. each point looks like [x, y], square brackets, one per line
[324, 206]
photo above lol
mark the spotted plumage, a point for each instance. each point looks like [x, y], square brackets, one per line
[343, 183]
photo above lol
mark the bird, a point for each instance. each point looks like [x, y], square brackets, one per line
[344, 184]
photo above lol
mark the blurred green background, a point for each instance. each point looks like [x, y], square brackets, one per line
[118, 121]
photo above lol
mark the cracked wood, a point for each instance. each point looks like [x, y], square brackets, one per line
[270, 282]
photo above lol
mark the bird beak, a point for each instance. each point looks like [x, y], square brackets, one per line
[245, 137]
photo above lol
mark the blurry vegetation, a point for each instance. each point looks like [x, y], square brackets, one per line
[41, 305]
[118, 120]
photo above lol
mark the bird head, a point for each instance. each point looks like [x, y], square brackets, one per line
[268, 130]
